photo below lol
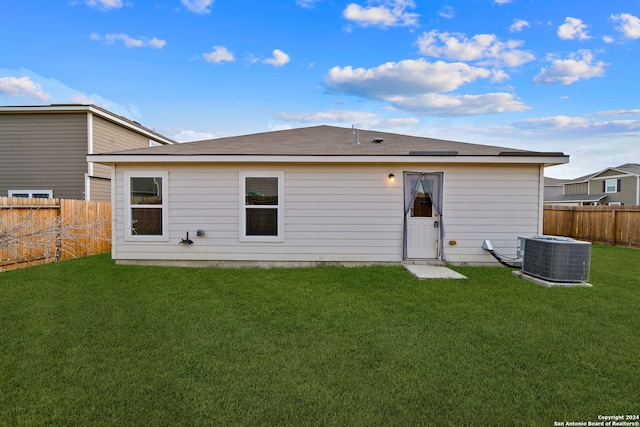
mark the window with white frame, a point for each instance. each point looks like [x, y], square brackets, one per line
[32, 194]
[611, 186]
[261, 206]
[146, 206]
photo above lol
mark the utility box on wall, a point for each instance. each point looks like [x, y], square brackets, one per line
[556, 258]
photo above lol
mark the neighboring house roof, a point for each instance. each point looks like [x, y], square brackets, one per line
[323, 141]
[575, 198]
[551, 182]
[627, 168]
[88, 108]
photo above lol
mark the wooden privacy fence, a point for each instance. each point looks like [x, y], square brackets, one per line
[612, 225]
[37, 231]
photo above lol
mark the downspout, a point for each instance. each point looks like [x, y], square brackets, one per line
[114, 230]
[87, 181]
[541, 199]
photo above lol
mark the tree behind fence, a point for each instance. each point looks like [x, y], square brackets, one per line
[611, 225]
[36, 231]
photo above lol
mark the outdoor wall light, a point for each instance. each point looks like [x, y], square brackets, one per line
[392, 177]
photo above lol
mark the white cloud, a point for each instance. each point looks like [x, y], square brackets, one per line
[82, 98]
[307, 4]
[186, 135]
[389, 13]
[340, 116]
[629, 25]
[447, 12]
[579, 125]
[502, 1]
[51, 90]
[278, 60]
[556, 122]
[579, 66]
[22, 87]
[406, 77]
[361, 118]
[219, 54]
[481, 47]
[459, 105]
[617, 113]
[518, 25]
[201, 7]
[128, 41]
[572, 29]
[608, 39]
[104, 4]
[414, 85]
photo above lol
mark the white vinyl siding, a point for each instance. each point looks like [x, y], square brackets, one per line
[498, 203]
[336, 213]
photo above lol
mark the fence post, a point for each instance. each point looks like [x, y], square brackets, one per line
[613, 227]
[571, 230]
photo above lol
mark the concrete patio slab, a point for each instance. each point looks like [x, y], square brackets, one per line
[548, 284]
[423, 271]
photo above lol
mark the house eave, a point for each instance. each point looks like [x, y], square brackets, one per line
[266, 159]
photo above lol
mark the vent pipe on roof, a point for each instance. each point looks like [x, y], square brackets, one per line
[355, 132]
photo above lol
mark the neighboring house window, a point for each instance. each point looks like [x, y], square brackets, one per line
[615, 204]
[611, 185]
[261, 206]
[146, 205]
[32, 194]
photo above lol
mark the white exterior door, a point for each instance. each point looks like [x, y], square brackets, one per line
[422, 219]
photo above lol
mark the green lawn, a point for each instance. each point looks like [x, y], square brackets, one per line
[87, 342]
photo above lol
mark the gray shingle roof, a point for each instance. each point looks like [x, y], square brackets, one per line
[329, 141]
[575, 198]
[632, 168]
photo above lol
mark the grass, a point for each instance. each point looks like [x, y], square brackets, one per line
[87, 342]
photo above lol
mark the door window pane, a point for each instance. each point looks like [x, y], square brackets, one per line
[422, 205]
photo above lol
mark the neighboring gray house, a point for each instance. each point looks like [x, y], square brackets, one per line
[553, 187]
[323, 194]
[614, 186]
[43, 149]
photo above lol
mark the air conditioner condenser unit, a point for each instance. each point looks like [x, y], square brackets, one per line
[556, 258]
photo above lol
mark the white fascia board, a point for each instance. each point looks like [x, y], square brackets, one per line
[118, 158]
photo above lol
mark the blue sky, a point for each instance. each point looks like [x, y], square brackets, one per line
[538, 75]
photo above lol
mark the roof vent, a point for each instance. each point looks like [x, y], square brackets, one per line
[377, 140]
[355, 132]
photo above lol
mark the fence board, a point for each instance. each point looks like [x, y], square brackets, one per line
[611, 225]
[36, 231]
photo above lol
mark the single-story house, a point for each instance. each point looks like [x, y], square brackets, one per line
[613, 186]
[323, 194]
